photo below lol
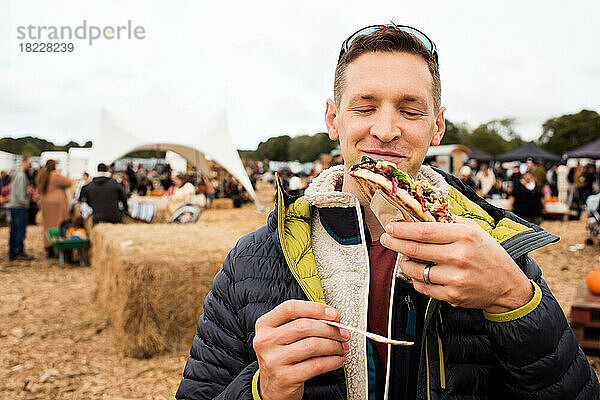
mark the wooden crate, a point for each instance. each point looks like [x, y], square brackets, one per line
[585, 318]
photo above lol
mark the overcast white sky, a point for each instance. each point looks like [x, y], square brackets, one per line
[270, 64]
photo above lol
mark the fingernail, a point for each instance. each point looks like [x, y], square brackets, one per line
[389, 228]
[346, 347]
[330, 312]
[345, 333]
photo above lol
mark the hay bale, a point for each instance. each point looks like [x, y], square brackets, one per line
[152, 279]
[222, 204]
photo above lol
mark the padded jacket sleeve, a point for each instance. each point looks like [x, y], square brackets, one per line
[219, 366]
[537, 350]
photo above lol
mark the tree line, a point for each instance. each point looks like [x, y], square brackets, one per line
[304, 148]
[559, 134]
[34, 146]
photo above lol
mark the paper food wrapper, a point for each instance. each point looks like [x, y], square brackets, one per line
[386, 211]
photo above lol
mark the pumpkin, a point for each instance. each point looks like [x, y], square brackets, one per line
[593, 281]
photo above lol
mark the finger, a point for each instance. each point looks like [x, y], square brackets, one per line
[435, 253]
[294, 309]
[415, 269]
[307, 327]
[312, 367]
[427, 232]
[312, 347]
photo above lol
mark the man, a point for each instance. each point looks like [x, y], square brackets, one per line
[85, 179]
[552, 180]
[466, 176]
[131, 176]
[539, 173]
[18, 205]
[485, 180]
[483, 321]
[527, 199]
[105, 196]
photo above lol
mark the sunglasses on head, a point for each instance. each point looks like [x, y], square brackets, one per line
[420, 36]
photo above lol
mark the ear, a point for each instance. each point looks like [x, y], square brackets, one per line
[330, 115]
[440, 127]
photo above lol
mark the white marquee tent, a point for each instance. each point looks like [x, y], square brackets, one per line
[8, 161]
[154, 123]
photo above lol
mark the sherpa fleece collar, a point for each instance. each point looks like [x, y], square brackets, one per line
[342, 261]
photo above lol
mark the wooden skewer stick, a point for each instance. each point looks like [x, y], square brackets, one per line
[374, 336]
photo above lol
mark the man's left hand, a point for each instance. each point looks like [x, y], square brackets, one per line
[468, 267]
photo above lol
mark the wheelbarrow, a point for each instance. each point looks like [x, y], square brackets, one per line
[61, 244]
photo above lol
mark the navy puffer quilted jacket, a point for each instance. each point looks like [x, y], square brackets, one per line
[533, 356]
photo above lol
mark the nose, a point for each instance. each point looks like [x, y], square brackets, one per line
[386, 127]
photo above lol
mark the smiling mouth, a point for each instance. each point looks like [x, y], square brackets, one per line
[385, 156]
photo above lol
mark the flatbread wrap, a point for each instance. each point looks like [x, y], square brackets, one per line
[416, 196]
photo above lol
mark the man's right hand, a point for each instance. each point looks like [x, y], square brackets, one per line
[292, 346]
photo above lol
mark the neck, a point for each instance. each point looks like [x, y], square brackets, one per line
[350, 186]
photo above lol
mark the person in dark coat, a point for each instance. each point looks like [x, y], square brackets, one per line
[552, 180]
[483, 322]
[588, 179]
[20, 197]
[105, 196]
[527, 199]
[131, 176]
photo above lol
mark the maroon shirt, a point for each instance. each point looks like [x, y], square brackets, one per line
[382, 261]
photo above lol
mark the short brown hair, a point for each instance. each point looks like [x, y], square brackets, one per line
[182, 177]
[387, 39]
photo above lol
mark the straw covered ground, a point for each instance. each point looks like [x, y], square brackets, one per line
[55, 341]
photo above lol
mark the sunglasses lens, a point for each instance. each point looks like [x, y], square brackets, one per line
[365, 31]
[370, 29]
[422, 38]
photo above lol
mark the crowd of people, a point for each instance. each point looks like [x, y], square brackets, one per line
[136, 180]
[525, 187]
[529, 185]
[25, 191]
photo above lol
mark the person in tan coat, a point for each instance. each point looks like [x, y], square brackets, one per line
[53, 199]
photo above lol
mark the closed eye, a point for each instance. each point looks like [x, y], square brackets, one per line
[413, 114]
[364, 110]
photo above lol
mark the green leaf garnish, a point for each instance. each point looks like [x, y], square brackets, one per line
[363, 161]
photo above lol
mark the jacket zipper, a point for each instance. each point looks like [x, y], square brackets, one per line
[366, 300]
[411, 316]
[389, 330]
[438, 320]
[426, 349]
[440, 351]
[409, 330]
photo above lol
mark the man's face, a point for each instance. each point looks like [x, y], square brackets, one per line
[527, 178]
[386, 111]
